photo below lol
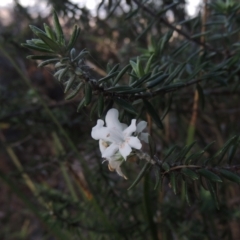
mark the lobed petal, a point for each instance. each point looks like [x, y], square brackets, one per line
[110, 151]
[144, 137]
[134, 142]
[111, 119]
[102, 145]
[125, 150]
[141, 126]
[131, 129]
[97, 131]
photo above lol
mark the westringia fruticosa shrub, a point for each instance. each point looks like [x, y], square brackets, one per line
[133, 99]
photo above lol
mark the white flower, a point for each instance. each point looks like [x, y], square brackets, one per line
[116, 135]
[115, 161]
[140, 127]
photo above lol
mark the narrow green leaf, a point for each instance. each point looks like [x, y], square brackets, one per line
[53, 45]
[125, 105]
[100, 104]
[201, 96]
[42, 57]
[118, 89]
[131, 14]
[39, 49]
[148, 65]
[166, 166]
[152, 146]
[153, 113]
[140, 81]
[81, 105]
[229, 175]
[169, 152]
[213, 193]
[74, 92]
[88, 93]
[58, 28]
[74, 37]
[173, 182]
[189, 173]
[157, 81]
[44, 63]
[209, 175]
[37, 30]
[49, 32]
[70, 83]
[120, 74]
[158, 179]
[146, 167]
[109, 76]
[62, 73]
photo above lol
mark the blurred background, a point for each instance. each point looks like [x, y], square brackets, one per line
[33, 149]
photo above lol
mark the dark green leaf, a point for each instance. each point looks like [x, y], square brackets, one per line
[58, 28]
[229, 175]
[209, 175]
[88, 93]
[74, 92]
[189, 173]
[146, 166]
[121, 73]
[125, 105]
[81, 104]
[153, 113]
[70, 83]
[173, 182]
[100, 104]
[157, 81]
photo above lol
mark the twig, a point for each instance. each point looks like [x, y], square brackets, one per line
[179, 31]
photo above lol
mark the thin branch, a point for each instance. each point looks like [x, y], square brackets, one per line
[179, 31]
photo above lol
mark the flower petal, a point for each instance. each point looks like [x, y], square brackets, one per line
[99, 132]
[115, 163]
[134, 142]
[144, 137]
[102, 145]
[132, 128]
[141, 126]
[110, 151]
[125, 150]
[111, 119]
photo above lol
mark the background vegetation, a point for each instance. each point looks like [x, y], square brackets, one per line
[53, 182]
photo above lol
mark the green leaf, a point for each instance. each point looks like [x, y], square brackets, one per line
[62, 73]
[118, 89]
[146, 167]
[131, 14]
[88, 93]
[152, 146]
[44, 63]
[201, 96]
[39, 49]
[58, 28]
[148, 65]
[213, 193]
[153, 113]
[109, 76]
[209, 175]
[120, 74]
[157, 81]
[140, 81]
[49, 32]
[42, 57]
[159, 180]
[37, 30]
[81, 104]
[173, 182]
[74, 37]
[166, 166]
[229, 175]
[100, 104]
[70, 83]
[74, 92]
[125, 105]
[189, 173]
[53, 45]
